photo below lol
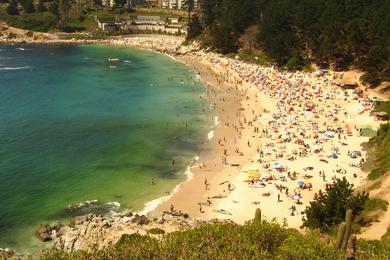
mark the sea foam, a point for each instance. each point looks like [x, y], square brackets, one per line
[14, 68]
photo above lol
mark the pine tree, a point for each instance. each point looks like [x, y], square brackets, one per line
[194, 27]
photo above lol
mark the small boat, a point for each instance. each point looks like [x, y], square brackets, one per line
[112, 67]
[86, 58]
[21, 49]
[127, 61]
[113, 59]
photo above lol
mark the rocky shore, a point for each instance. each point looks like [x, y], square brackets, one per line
[92, 231]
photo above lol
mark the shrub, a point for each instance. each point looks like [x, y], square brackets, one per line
[374, 174]
[297, 246]
[372, 249]
[329, 208]
[294, 64]
[156, 231]
[386, 239]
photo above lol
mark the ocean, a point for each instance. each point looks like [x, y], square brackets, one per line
[76, 127]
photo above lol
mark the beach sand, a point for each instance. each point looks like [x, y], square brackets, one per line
[227, 103]
[241, 107]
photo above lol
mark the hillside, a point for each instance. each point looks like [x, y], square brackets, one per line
[293, 34]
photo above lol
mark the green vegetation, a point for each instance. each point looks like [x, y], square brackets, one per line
[378, 150]
[329, 208]
[254, 240]
[373, 209]
[156, 231]
[383, 107]
[195, 28]
[293, 33]
[40, 22]
[386, 239]
[378, 147]
[254, 56]
[68, 16]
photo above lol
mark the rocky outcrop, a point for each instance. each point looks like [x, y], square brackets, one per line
[92, 231]
[44, 233]
[7, 253]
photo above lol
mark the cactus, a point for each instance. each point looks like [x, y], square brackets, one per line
[353, 242]
[348, 224]
[340, 235]
[258, 215]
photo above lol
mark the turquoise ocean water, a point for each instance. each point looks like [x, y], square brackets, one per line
[73, 129]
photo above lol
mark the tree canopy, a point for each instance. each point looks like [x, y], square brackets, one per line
[341, 33]
[328, 208]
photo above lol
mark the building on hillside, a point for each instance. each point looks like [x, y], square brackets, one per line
[173, 20]
[152, 23]
[108, 3]
[107, 26]
[176, 4]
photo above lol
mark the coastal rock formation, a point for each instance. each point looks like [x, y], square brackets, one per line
[6, 253]
[92, 231]
[44, 232]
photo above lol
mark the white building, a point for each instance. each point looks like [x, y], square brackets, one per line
[176, 4]
[108, 3]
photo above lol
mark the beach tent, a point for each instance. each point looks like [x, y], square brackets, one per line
[329, 134]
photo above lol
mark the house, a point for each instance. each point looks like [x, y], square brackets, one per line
[173, 20]
[107, 26]
[176, 4]
[108, 3]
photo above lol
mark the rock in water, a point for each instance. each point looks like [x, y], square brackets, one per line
[43, 232]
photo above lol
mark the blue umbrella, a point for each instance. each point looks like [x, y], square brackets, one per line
[301, 183]
[278, 166]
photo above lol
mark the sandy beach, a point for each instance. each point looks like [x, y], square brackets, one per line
[281, 137]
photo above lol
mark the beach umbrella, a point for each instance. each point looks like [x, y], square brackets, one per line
[301, 183]
[278, 166]
[334, 156]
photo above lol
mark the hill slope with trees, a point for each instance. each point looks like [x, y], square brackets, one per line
[341, 33]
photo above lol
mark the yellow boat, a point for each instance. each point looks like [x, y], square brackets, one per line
[113, 59]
